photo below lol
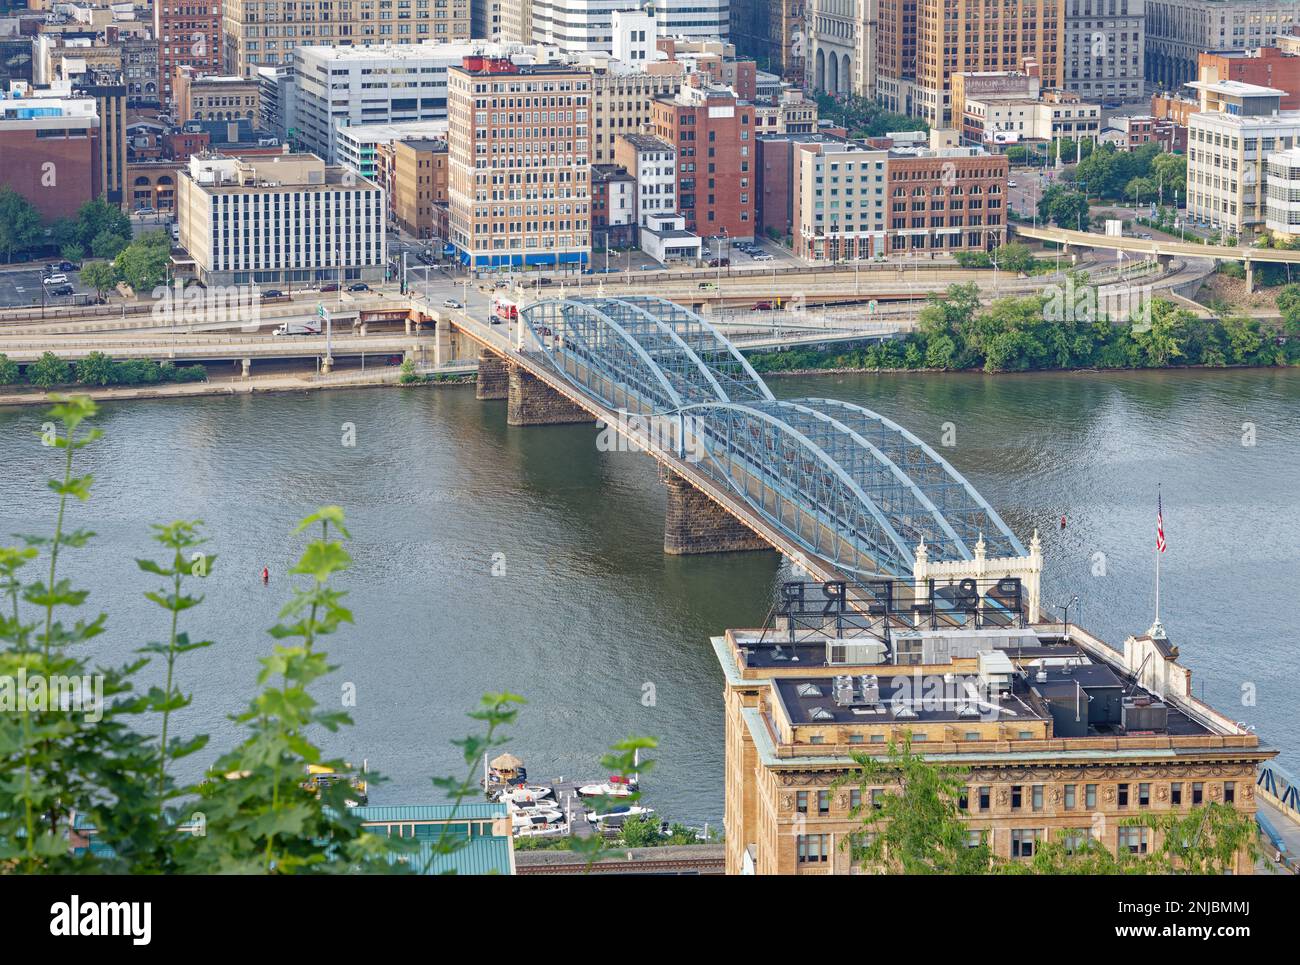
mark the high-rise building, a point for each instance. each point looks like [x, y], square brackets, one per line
[280, 220]
[485, 19]
[622, 98]
[653, 163]
[189, 35]
[713, 132]
[964, 36]
[1105, 49]
[774, 33]
[519, 190]
[841, 40]
[419, 190]
[587, 26]
[896, 32]
[52, 151]
[1178, 31]
[517, 21]
[265, 32]
[1050, 734]
[337, 87]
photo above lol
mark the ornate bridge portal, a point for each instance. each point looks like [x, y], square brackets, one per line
[842, 483]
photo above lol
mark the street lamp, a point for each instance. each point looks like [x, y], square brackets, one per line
[1065, 608]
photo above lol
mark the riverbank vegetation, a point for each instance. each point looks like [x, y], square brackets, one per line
[96, 369]
[1061, 328]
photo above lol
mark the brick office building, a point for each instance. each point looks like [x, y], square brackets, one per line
[713, 132]
[189, 34]
[943, 200]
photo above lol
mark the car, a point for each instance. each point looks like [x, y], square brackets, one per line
[546, 281]
[61, 290]
[764, 257]
[761, 307]
[144, 209]
[706, 286]
[720, 263]
[272, 293]
[359, 287]
[649, 268]
[589, 271]
[393, 360]
[330, 286]
[452, 303]
[1011, 183]
[67, 266]
[58, 278]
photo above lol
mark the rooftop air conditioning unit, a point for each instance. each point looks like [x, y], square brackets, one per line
[1144, 713]
[847, 653]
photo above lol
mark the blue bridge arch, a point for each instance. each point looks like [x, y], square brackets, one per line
[837, 479]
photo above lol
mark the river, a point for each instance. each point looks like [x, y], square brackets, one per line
[584, 615]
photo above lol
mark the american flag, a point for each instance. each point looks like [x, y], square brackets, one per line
[1160, 526]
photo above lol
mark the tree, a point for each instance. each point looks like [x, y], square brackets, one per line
[99, 275]
[143, 263]
[1014, 257]
[915, 825]
[10, 374]
[95, 369]
[1063, 207]
[107, 244]
[20, 223]
[49, 370]
[72, 252]
[98, 216]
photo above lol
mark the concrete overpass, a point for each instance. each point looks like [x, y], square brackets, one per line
[1160, 248]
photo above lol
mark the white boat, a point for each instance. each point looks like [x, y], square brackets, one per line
[547, 810]
[615, 817]
[538, 822]
[524, 794]
[607, 789]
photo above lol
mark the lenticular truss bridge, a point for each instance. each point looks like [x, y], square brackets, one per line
[847, 492]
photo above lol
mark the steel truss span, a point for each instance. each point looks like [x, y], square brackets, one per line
[841, 481]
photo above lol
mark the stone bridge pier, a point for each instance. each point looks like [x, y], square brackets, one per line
[493, 377]
[694, 523]
[531, 402]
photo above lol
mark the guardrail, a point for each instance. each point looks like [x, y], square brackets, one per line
[1279, 787]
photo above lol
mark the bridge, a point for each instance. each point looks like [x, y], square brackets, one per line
[1161, 248]
[844, 491]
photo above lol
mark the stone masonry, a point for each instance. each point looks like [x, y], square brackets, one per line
[534, 403]
[493, 379]
[694, 523]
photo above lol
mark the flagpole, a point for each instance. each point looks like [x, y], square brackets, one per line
[1160, 523]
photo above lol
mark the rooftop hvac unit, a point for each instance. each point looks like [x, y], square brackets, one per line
[845, 653]
[870, 690]
[1144, 713]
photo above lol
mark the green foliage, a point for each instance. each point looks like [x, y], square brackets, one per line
[915, 826]
[143, 263]
[1109, 172]
[865, 118]
[72, 252]
[1013, 257]
[99, 275]
[1064, 207]
[97, 219]
[624, 759]
[108, 245]
[95, 369]
[1062, 328]
[49, 370]
[10, 374]
[20, 223]
[408, 374]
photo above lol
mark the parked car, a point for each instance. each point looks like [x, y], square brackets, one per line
[764, 256]
[67, 266]
[393, 360]
[330, 286]
[452, 303]
[61, 290]
[359, 287]
[1011, 183]
[720, 263]
[58, 278]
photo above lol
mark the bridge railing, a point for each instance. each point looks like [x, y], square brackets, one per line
[1278, 786]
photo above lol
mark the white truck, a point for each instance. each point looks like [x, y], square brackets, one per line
[298, 328]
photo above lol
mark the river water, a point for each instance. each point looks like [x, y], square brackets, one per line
[490, 558]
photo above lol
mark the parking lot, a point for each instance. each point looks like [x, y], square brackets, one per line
[22, 286]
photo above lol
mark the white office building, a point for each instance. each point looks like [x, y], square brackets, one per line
[337, 87]
[280, 221]
[587, 26]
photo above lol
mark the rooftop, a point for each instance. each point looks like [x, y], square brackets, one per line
[647, 142]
